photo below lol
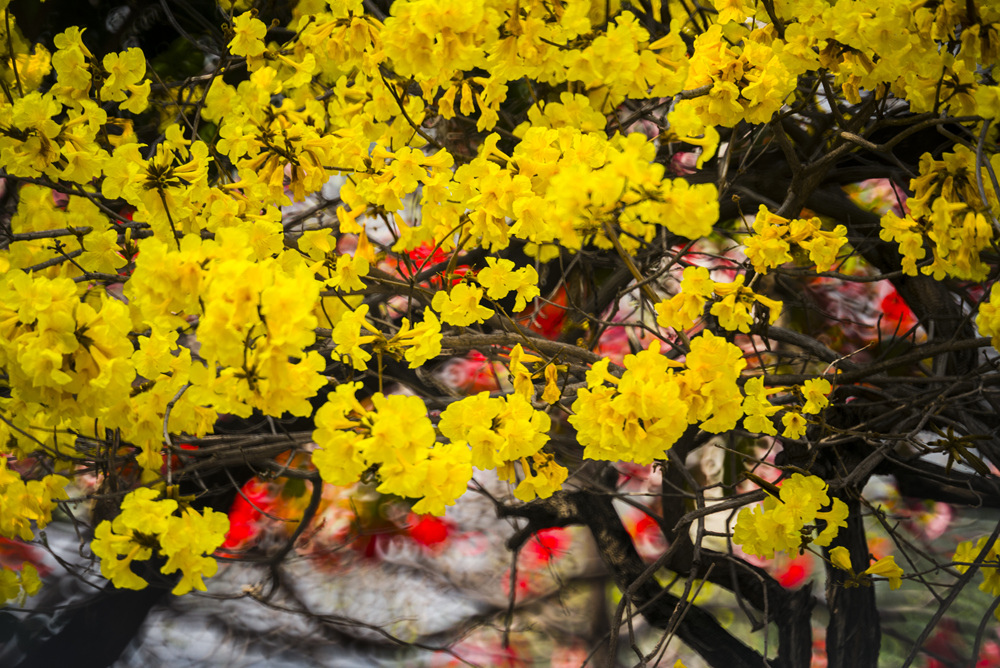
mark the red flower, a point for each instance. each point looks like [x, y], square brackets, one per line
[427, 530]
[14, 554]
[898, 316]
[794, 572]
[244, 515]
[546, 545]
[548, 318]
[424, 257]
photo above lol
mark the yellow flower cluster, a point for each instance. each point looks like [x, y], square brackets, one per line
[786, 524]
[461, 305]
[265, 144]
[94, 249]
[542, 477]
[69, 355]
[255, 315]
[501, 431]
[947, 210]
[773, 237]
[416, 344]
[27, 505]
[748, 83]
[967, 552]
[34, 144]
[759, 409]
[639, 416]
[149, 524]
[434, 40]
[887, 46]
[988, 318]
[622, 62]
[342, 39]
[352, 439]
[18, 585]
[732, 306]
[482, 431]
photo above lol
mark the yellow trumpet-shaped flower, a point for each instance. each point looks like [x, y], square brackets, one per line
[885, 567]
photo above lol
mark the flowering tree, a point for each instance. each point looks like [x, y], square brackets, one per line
[651, 233]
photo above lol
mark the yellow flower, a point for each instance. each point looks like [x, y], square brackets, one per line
[824, 246]
[124, 71]
[188, 542]
[70, 63]
[841, 558]
[734, 310]
[347, 335]
[387, 442]
[338, 458]
[109, 547]
[887, 568]
[681, 310]
[446, 477]
[142, 510]
[814, 391]
[248, 38]
[497, 277]
[348, 272]
[551, 393]
[470, 421]
[545, 480]
[757, 407]
[768, 249]
[423, 342]
[520, 375]
[526, 286]
[795, 425]
[461, 306]
[733, 10]
[101, 254]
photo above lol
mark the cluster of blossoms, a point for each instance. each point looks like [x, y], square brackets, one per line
[481, 431]
[71, 354]
[352, 439]
[416, 344]
[733, 306]
[786, 523]
[759, 409]
[748, 82]
[773, 237]
[24, 505]
[967, 552]
[504, 431]
[17, 585]
[640, 415]
[255, 316]
[947, 209]
[149, 525]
